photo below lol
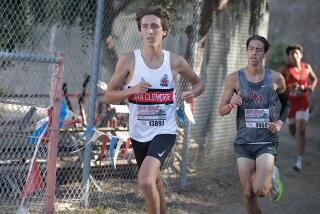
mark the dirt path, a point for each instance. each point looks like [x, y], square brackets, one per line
[213, 195]
[302, 190]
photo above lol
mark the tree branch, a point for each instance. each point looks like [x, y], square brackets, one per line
[120, 7]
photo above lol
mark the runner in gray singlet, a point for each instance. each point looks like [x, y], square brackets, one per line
[257, 110]
[254, 91]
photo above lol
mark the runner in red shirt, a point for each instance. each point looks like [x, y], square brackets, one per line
[300, 79]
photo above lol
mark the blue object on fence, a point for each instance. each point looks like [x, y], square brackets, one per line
[63, 112]
[113, 142]
[181, 117]
[42, 125]
[86, 134]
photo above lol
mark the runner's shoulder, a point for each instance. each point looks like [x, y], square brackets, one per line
[234, 76]
[176, 60]
[308, 66]
[128, 56]
[127, 60]
[232, 80]
[276, 75]
[283, 69]
[278, 79]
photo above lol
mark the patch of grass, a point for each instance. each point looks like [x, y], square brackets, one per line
[100, 210]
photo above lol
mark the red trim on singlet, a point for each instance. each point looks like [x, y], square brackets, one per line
[153, 96]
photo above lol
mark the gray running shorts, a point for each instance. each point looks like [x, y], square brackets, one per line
[252, 151]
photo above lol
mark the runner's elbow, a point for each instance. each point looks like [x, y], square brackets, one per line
[108, 98]
[222, 112]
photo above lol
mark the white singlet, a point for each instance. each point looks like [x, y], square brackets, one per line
[153, 112]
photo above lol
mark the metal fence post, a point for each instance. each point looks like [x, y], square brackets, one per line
[56, 95]
[193, 55]
[92, 103]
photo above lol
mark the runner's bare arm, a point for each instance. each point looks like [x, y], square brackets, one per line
[312, 77]
[284, 71]
[181, 66]
[124, 68]
[230, 86]
[278, 82]
[280, 87]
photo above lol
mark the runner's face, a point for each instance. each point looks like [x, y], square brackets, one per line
[255, 52]
[295, 56]
[151, 30]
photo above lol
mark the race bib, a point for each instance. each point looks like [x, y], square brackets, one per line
[151, 116]
[257, 118]
[152, 106]
[298, 92]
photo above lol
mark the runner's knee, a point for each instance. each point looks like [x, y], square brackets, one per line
[292, 129]
[302, 132]
[248, 191]
[146, 184]
[159, 182]
[261, 191]
[248, 194]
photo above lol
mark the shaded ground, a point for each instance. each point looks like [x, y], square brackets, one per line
[223, 195]
[302, 190]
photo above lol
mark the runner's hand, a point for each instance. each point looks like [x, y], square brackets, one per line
[311, 89]
[275, 127]
[291, 87]
[55, 66]
[236, 100]
[187, 96]
[141, 87]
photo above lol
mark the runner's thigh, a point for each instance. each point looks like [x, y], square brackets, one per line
[264, 169]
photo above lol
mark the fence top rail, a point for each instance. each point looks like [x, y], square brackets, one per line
[31, 57]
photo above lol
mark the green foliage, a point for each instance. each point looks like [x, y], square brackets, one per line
[20, 18]
[14, 19]
[100, 210]
[276, 56]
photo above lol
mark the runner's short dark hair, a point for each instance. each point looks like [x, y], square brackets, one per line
[265, 42]
[294, 47]
[158, 11]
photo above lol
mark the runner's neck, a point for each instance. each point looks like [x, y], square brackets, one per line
[296, 65]
[152, 58]
[254, 71]
[254, 74]
[151, 52]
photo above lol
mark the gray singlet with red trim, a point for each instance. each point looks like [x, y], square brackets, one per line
[257, 110]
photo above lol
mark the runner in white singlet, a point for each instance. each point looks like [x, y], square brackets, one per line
[146, 77]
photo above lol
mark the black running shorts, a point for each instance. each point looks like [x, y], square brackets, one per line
[159, 147]
[252, 151]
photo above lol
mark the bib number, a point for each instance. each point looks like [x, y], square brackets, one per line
[156, 123]
[257, 118]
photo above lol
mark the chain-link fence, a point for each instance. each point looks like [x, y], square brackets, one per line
[86, 170]
[28, 163]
